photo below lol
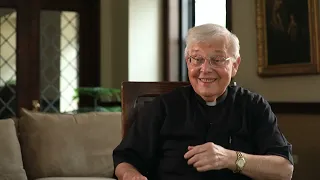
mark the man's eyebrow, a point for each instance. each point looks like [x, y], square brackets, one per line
[194, 50]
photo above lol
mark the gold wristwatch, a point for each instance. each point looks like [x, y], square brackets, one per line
[240, 162]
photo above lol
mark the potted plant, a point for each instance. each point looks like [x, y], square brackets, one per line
[104, 99]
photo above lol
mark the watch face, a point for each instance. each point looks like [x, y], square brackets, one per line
[241, 162]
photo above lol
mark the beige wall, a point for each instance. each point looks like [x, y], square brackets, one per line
[296, 128]
[130, 41]
[114, 42]
[289, 89]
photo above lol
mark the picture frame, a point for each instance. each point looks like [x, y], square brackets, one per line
[287, 37]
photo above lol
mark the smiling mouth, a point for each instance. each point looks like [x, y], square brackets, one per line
[207, 80]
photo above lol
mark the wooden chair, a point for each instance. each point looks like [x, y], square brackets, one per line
[135, 94]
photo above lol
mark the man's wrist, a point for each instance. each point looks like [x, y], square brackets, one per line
[231, 160]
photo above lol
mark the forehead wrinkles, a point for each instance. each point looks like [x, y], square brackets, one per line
[217, 52]
[218, 42]
[207, 51]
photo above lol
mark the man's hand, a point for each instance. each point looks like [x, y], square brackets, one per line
[125, 171]
[208, 156]
[133, 175]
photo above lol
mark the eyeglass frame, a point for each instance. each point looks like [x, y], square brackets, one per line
[225, 60]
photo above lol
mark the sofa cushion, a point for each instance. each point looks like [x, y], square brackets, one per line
[11, 166]
[75, 178]
[66, 145]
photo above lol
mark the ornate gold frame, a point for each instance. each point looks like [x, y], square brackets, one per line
[287, 69]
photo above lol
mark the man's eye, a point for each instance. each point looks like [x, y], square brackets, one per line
[218, 58]
[197, 60]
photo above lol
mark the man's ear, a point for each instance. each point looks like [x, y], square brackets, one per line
[187, 61]
[235, 66]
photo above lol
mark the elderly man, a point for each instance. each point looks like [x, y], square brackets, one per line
[208, 130]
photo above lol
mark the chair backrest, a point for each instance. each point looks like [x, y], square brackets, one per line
[136, 94]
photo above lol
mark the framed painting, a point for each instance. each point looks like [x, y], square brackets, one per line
[287, 37]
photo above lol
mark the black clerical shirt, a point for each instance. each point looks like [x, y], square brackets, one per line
[162, 131]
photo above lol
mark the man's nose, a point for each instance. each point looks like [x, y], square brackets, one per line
[206, 67]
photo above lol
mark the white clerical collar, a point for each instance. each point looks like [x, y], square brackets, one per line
[211, 103]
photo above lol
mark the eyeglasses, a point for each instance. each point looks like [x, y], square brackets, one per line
[216, 61]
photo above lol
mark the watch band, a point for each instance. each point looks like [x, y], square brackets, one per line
[238, 168]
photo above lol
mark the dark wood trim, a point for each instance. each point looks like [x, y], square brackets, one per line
[28, 64]
[90, 44]
[35, 50]
[165, 40]
[66, 5]
[89, 67]
[229, 14]
[295, 107]
[180, 42]
[23, 33]
[186, 21]
[9, 3]
[192, 16]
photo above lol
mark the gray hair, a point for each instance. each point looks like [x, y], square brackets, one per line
[206, 32]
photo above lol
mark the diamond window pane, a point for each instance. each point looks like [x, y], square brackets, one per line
[8, 34]
[59, 57]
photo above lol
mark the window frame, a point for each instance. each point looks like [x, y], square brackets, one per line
[177, 17]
